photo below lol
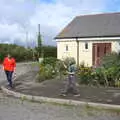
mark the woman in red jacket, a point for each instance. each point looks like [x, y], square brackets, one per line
[9, 65]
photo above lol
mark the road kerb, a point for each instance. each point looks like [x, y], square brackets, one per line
[57, 100]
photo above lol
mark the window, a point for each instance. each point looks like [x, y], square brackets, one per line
[86, 45]
[66, 47]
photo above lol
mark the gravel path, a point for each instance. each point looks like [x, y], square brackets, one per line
[14, 109]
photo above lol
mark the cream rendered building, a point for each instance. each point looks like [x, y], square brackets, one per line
[88, 38]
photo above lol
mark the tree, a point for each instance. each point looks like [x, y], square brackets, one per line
[39, 40]
[50, 51]
[19, 52]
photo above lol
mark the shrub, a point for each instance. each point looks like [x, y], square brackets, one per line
[98, 76]
[49, 60]
[111, 68]
[50, 51]
[85, 74]
[60, 69]
[46, 72]
[47, 69]
[51, 67]
[117, 83]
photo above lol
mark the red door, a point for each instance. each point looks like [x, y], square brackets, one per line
[99, 50]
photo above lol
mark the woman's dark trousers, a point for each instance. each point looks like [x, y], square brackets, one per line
[9, 77]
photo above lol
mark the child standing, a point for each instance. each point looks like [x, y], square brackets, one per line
[71, 82]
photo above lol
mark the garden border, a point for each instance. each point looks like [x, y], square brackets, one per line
[56, 100]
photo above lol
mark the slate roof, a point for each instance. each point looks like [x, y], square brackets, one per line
[87, 26]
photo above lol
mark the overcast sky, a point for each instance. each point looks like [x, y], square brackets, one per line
[19, 17]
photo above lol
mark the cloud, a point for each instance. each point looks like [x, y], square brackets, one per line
[54, 16]
[18, 17]
[14, 19]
